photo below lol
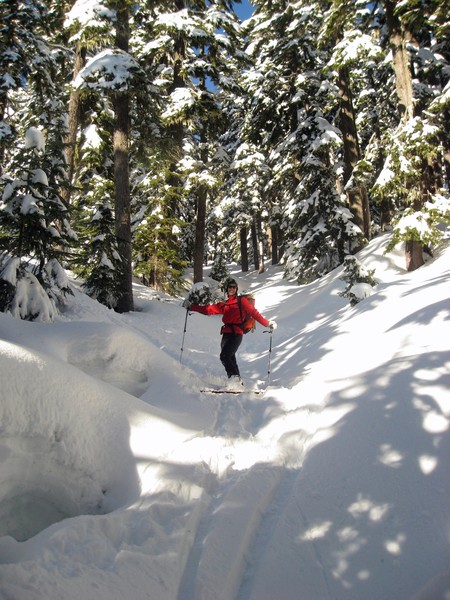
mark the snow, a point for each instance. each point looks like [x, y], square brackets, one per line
[91, 137]
[88, 13]
[121, 480]
[34, 138]
[181, 99]
[416, 220]
[110, 69]
[354, 46]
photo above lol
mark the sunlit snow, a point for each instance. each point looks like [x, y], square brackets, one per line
[120, 479]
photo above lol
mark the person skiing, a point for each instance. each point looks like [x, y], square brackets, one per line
[232, 332]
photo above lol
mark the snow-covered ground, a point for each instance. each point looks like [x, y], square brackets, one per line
[120, 480]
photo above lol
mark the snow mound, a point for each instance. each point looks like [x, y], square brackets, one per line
[54, 461]
[333, 484]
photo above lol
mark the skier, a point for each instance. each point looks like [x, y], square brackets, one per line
[232, 332]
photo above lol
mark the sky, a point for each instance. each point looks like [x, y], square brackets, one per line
[121, 479]
[244, 9]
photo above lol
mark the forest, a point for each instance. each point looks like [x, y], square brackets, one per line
[141, 138]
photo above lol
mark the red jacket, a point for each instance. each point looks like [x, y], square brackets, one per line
[231, 315]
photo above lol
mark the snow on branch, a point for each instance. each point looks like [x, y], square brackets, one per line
[112, 69]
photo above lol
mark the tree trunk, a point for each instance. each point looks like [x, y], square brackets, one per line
[400, 61]
[200, 221]
[73, 123]
[260, 246]
[274, 230]
[175, 136]
[244, 249]
[413, 255]
[446, 144]
[121, 173]
[403, 80]
[3, 99]
[255, 245]
[356, 194]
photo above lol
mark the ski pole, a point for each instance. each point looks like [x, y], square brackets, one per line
[184, 334]
[270, 354]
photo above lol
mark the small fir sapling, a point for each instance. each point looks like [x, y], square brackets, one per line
[219, 270]
[360, 281]
[202, 294]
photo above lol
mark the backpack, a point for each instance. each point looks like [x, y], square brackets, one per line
[248, 322]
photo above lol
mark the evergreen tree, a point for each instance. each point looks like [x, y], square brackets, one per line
[116, 72]
[414, 161]
[291, 112]
[360, 280]
[199, 42]
[173, 145]
[35, 226]
[351, 65]
[219, 270]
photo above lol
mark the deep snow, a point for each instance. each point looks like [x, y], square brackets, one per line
[120, 480]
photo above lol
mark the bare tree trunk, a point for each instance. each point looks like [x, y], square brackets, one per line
[356, 194]
[121, 172]
[73, 123]
[262, 266]
[400, 61]
[244, 249]
[255, 245]
[200, 221]
[3, 100]
[446, 144]
[274, 244]
[403, 80]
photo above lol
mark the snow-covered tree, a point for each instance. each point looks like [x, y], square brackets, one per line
[219, 269]
[415, 149]
[35, 226]
[360, 280]
[197, 41]
[291, 118]
[34, 219]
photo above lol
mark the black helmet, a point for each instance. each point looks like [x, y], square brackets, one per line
[231, 281]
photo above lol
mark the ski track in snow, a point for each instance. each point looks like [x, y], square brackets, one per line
[264, 533]
[225, 522]
[248, 529]
[228, 523]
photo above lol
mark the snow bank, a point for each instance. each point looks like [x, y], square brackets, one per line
[333, 484]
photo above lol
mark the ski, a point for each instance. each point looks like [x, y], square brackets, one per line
[214, 391]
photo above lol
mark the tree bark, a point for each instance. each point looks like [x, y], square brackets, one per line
[356, 194]
[244, 249]
[403, 81]
[121, 173]
[200, 221]
[446, 144]
[400, 61]
[260, 246]
[274, 229]
[255, 244]
[73, 123]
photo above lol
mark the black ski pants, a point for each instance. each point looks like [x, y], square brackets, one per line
[229, 345]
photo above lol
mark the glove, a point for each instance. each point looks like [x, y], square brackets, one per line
[187, 304]
[272, 325]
